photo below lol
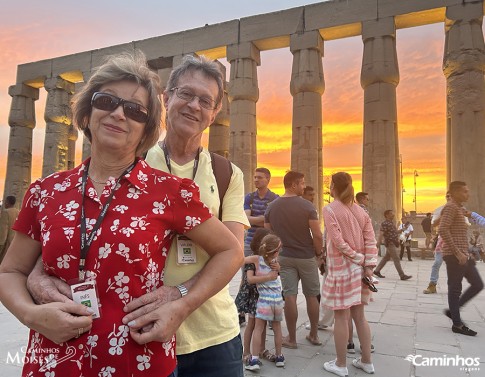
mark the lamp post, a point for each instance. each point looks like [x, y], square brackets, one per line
[415, 204]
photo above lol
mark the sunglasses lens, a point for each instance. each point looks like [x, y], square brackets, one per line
[107, 102]
[135, 112]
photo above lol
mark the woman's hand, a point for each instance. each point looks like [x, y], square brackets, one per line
[275, 265]
[368, 271]
[60, 322]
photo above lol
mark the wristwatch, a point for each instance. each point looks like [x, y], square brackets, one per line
[182, 289]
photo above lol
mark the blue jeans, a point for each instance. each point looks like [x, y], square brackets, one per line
[435, 269]
[174, 373]
[222, 360]
[456, 273]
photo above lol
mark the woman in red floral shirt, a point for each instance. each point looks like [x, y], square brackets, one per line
[108, 222]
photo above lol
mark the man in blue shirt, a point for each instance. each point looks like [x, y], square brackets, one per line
[255, 204]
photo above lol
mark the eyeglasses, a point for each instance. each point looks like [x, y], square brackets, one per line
[186, 95]
[108, 102]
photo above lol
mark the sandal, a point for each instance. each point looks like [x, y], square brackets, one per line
[267, 356]
[315, 341]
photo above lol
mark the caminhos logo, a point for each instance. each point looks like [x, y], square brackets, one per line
[465, 364]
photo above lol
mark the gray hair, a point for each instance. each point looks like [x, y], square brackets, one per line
[206, 66]
[122, 67]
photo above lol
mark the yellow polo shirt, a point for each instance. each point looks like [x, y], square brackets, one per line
[216, 321]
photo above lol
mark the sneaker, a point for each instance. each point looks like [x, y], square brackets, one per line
[406, 277]
[463, 330]
[331, 366]
[320, 327]
[367, 368]
[253, 364]
[280, 361]
[378, 274]
[372, 349]
[350, 348]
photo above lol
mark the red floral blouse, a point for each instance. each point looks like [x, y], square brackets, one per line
[126, 259]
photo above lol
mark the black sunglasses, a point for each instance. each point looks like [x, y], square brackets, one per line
[108, 102]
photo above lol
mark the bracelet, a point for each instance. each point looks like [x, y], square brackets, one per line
[182, 289]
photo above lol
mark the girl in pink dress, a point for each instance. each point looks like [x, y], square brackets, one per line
[351, 255]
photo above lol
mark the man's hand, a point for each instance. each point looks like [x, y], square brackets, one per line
[158, 325]
[45, 289]
[467, 213]
[462, 258]
[150, 302]
[60, 322]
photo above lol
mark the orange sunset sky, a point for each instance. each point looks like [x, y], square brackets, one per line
[32, 32]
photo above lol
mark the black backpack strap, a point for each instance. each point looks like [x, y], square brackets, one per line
[222, 169]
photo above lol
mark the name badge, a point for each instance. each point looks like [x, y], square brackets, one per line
[86, 294]
[186, 253]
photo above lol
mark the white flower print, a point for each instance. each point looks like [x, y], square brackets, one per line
[122, 293]
[63, 261]
[124, 251]
[121, 278]
[127, 231]
[118, 340]
[185, 194]
[62, 186]
[69, 232]
[120, 208]
[116, 224]
[104, 251]
[91, 343]
[90, 224]
[158, 208]
[191, 222]
[142, 177]
[169, 347]
[50, 361]
[70, 211]
[139, 222]
[143, 362]
[46, 238]
[106, 371]
[133, 193]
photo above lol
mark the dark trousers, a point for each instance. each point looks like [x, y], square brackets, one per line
[408, 250]
[456, 273]
[222, 360]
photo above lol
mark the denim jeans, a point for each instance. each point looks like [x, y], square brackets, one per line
[435, 269]
[456, 273]
[174, 373]
[222, 360]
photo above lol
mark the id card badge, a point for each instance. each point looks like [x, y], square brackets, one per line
[186, 253]
[86, 294]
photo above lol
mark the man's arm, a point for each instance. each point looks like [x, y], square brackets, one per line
[254, 220]
[379, 238]
[446, 222]
[317, 236]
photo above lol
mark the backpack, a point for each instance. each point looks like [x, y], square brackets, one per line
[222, 169]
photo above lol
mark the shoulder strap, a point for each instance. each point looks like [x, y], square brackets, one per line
[222, 169]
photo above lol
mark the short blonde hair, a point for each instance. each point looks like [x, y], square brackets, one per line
[122, 67]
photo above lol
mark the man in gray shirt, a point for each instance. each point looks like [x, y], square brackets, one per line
[295, 221]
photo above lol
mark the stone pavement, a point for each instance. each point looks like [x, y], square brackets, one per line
[403, 320]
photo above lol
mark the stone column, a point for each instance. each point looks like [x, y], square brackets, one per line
[22, 122]
[243, 95]
[71, 146]
[464, 67]
[307, 85]
[379, 79]
[219, 130]
[58, 119]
